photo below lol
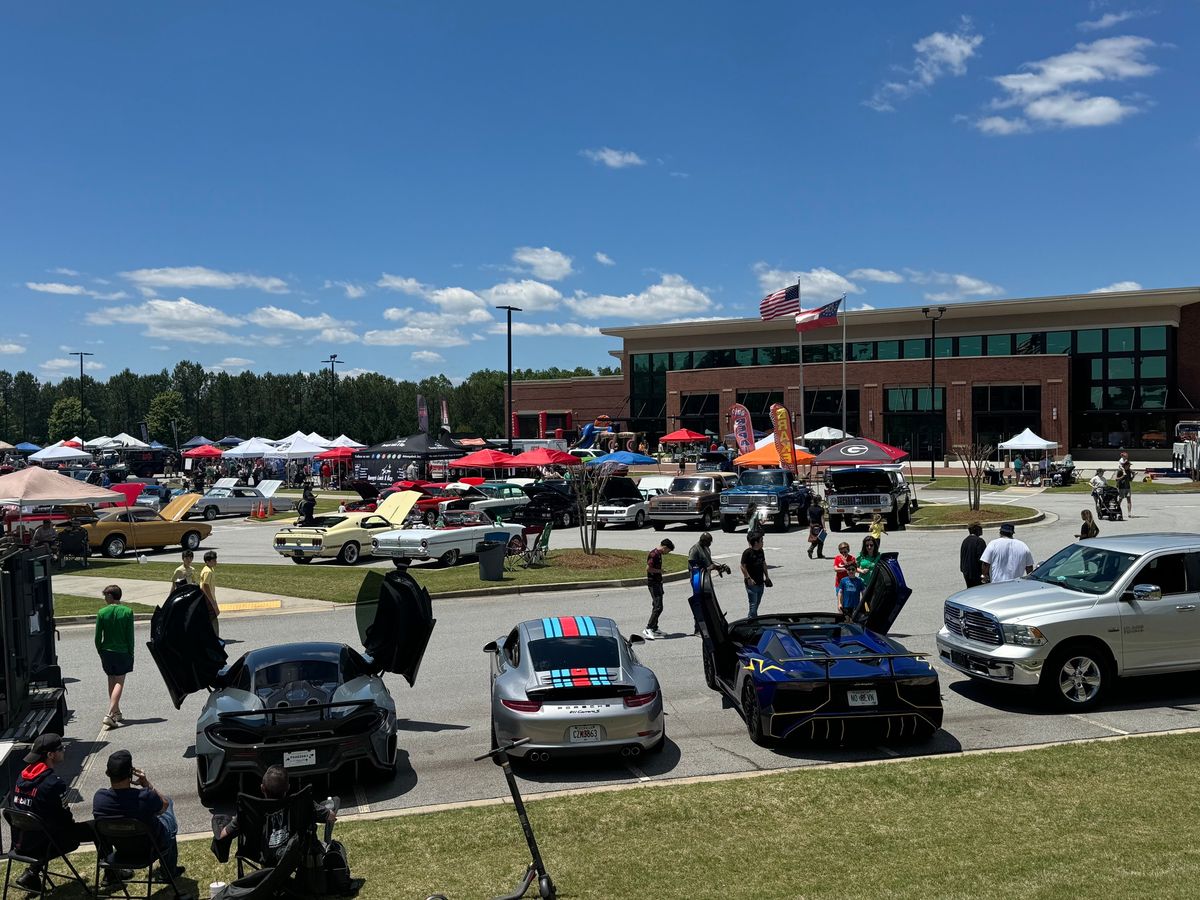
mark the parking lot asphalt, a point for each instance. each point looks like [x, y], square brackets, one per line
[444, 719]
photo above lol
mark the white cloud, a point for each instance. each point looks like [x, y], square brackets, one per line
[55, 287]
[614, 159]
[957, 286]
[355, 373]
[544, 263]
[937, 55]
[413, 336]
[674, 295]
[274, 317]
[335, 336]
[1117, 286]
[12, 348]
[604, 259]
[63, 270]
[547, 329]
[68, 366]
[1048, 91]
[816, 284]
[457, 300]
[526, 294]
[422, 318]
[862, 307]
[399, 283]
[353, 291]
[229, 364]
[427, 356]
[182, 277]
[173, 320]
[883, 276]
[1108, 20]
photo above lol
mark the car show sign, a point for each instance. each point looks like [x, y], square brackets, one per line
[743, 433]
[784, 446]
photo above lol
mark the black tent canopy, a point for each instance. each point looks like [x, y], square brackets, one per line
[385, 462]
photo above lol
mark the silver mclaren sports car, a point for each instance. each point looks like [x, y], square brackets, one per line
[573, 685]
[313, 707]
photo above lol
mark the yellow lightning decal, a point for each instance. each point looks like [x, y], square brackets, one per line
[762, 666]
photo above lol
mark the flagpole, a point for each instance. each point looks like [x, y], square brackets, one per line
[844, 370]
[800, 357]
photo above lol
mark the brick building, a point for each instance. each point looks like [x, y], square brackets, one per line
[1091, 371]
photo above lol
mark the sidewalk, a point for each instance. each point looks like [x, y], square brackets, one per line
[152, 593]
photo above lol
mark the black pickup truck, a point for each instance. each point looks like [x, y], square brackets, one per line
[856, 495]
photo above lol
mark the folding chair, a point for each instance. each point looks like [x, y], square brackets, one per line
[536, 555]
[73, 545]
[134, 848]
[20, 820]
[261, 819]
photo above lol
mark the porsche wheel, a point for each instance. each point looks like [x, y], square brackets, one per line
[449, 558]
[349, 553]
[191, 540]
[114, 547]
[753, 715]
[657, 746]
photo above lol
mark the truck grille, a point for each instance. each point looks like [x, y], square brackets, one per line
[741, 501]
[673, 506]
[972, 624]
[859, 500]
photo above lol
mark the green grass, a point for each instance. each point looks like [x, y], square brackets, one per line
[74, 605]
[1092, 820]
[325, 581]
[958, 514]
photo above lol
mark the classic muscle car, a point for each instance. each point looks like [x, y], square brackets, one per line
[135, 527]
[346, 536]
[777, 492]
[498, 498]
[572, 684]
[227, 498]
[549, 501]
[313, 707]
[460, 532]
[813, 676]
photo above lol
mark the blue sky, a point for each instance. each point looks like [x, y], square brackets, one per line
[258, 185]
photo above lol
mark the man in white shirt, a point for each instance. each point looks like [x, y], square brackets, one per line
[1006, 559]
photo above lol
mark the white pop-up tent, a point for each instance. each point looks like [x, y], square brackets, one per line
[61, 455]
[1028, 441]
[251, 449]
[98, 443]
[342, 441]
[297, 448]
[125, 441]
[314, 438]
[827, 434]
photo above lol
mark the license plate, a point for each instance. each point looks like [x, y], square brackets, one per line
[862, 698]
[958, 658]
[297, 758]
[584, 734]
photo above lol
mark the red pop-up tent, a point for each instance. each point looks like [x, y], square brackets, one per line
[485, 459]
[859, 452]
[337, 453]
[544, 456]
[208, 451]
[683, 436]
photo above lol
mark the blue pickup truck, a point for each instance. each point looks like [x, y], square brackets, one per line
[775, 492]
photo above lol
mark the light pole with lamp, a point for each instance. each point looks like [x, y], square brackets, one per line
[508, 417]
[933, 314]
[81, 354]
[333, 361]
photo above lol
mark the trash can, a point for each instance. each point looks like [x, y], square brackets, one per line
[491, 560]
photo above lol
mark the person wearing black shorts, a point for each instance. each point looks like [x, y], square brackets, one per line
[114, 643]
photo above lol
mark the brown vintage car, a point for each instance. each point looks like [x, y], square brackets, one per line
[141, 528]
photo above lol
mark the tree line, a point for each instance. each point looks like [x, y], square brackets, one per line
[189, 400]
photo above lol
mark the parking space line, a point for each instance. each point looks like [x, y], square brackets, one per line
[1098, 724]
[86, 769]
[637, 773]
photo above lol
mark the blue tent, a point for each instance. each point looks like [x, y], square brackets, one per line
[197, 441]
[27, 447]
[622, 458]
[231, 440]
[155, 445]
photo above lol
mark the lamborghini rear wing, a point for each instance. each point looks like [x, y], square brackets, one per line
[827, 659]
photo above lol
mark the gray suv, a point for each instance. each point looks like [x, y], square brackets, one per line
[1095, 611]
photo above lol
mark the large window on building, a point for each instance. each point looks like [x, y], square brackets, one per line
[823, 409]
[700, 412]
[759, 405]
[1122, 381]
[1003, 410]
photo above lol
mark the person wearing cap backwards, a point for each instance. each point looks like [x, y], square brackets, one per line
[1006, 559]
[132, 796]
[40, 791]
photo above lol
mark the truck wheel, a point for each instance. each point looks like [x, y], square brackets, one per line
[728, 524]
[706, 520]
[1076, 676]
[835, 523]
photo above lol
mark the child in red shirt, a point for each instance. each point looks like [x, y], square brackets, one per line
[839, 563]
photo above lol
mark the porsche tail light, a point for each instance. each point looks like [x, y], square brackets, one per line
[525, 706]
[635, 700]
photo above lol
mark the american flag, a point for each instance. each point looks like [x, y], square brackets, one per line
[808, 319]
[781, 303]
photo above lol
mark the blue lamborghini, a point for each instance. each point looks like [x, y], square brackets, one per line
[813, 676]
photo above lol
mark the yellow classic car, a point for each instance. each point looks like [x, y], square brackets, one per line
[137, 528]
[345, 535]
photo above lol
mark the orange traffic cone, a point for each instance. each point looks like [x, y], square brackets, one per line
[258, 511]
[270, 508]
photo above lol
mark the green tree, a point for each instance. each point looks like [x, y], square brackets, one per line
[25, 406]
[165, 408]
[65, 421]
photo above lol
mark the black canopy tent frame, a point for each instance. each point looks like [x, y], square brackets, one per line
[385, 463]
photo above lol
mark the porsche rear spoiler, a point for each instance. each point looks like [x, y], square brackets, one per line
[583, 692]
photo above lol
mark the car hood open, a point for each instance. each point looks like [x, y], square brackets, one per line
[396, 507]
[179, 507]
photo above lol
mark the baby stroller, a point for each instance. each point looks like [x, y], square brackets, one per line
[1108, 504]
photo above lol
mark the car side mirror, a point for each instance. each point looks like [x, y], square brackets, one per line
[1147, 592]
[636, 639]
[491, 647]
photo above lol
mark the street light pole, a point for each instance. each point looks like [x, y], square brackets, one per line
[933, 314]
[508, 418]
[81, 354]
[333, 361]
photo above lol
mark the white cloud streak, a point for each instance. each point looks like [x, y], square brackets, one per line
[544, 263]
[819, 284]
[184, 277]
[73, 290]
[527, 294]
[399, 283]
[1108, 20]
[427, 357]
[174, 320]
[10, 347]
[604, 259]
[274, 317]
[548, 329]
[956, 286]
[674, 295]
[1117, 286]
[613, 159]
[882, 276]
[937, 55]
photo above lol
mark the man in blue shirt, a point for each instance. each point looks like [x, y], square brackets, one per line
[132, 796]
[849, 591]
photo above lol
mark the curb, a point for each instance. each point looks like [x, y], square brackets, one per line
[1027, 520]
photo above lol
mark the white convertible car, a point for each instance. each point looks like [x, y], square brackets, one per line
[456, 537]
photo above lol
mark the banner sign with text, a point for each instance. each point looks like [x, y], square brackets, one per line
[422, 415]
[743, 431]
[784, 445]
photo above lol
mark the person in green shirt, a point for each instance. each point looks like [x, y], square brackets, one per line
[114, 643]
[868, 558]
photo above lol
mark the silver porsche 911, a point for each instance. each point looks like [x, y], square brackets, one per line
[573, 685]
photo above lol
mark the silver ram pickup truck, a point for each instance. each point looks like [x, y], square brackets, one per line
[1096, 610]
